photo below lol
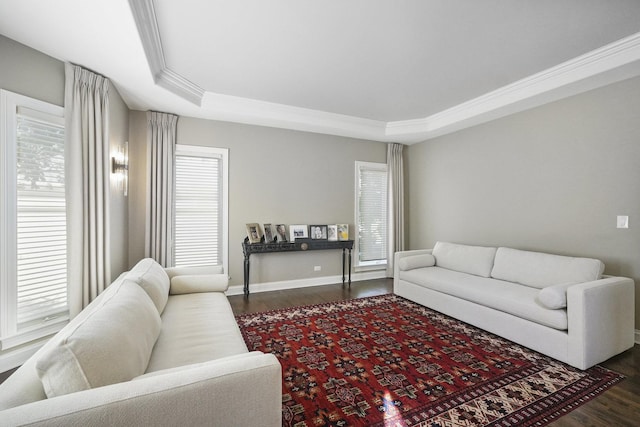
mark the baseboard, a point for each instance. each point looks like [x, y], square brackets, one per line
[637, 336]
[305, 283]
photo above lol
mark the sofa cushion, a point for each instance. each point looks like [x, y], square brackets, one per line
[416, 261]
[555, 296]
[112, 344]
[196, 328]
[507, 297]
[477, 260]
[153, 279]
[540, 270]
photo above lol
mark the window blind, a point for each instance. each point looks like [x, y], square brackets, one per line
[41, 219]
[372, 214]
[198, 210]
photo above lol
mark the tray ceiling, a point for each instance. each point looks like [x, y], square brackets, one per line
[384, 70]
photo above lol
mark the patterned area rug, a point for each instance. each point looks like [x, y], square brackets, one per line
[386, 361]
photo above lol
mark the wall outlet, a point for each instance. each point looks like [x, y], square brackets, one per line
[622, 221]
[317, 268]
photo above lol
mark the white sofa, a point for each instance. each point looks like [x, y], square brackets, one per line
[557, 305]
[157, 347]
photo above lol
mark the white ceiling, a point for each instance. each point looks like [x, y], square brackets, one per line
[388, 70]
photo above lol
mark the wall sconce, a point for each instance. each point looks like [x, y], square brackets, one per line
[120, 167]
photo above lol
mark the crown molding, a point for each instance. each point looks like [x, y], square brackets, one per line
[545, 86]
[145, 17]
[614, 62]
[182, 87]
[263, 113]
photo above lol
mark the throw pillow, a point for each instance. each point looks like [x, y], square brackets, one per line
[194, 283]
[113, 344]
[554, 297]
[416, 261]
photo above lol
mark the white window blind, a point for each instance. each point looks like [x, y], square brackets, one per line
[41, 219]
[33, 245]
[371, 214]
[199, 228]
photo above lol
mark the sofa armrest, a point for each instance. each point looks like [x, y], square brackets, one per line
[601, 320]
[243, 390]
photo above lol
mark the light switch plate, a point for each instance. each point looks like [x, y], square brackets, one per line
[623, 221]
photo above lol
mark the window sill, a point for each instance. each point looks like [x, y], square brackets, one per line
[33, 334]
[370, 267]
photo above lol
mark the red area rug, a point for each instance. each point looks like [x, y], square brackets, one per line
[386, 361]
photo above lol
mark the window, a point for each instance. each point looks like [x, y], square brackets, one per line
[371, 214]
[201, 200]
[33, 225]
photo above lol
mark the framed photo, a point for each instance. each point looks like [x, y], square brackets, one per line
[254, 232]
[281, 233]
[269, 235]
[343, 231]
[298, 231]
[332, 233]
[318, 232]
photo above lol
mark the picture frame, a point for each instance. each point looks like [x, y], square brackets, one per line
[269, 233]
[343, 232]
[318, 232]
[298, 231]
[254, 232]
[281, 233]
[332, 232]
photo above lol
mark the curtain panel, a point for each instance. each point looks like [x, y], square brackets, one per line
[87, 186]
[161, 142]
[395, 192]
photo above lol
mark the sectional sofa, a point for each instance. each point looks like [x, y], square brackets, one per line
[157, 347]
[557, 305]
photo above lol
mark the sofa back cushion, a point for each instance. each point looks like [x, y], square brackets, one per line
[540, 270]
[476, 260]
[152, 277]
[111, 345]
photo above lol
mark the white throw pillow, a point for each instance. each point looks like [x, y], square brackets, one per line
[153, 279]
[194, 283]
[113, 344]
[476, 260]
[416, 261]
[554, 297]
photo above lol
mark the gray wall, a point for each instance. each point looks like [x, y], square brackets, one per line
[275, 176]
[29, 72]
[119, 208]
[550, 179]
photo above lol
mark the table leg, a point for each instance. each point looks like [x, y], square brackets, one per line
[349, 268]
[343, 253]
[246, 275]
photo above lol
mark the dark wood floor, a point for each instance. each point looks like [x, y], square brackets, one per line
[618, 406]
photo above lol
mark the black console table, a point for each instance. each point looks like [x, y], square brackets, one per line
[297, 246]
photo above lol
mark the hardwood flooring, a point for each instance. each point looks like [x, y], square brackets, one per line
[618, 406]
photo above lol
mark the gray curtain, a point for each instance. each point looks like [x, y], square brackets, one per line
[87, 187]
[161, 141]
[395, 174]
